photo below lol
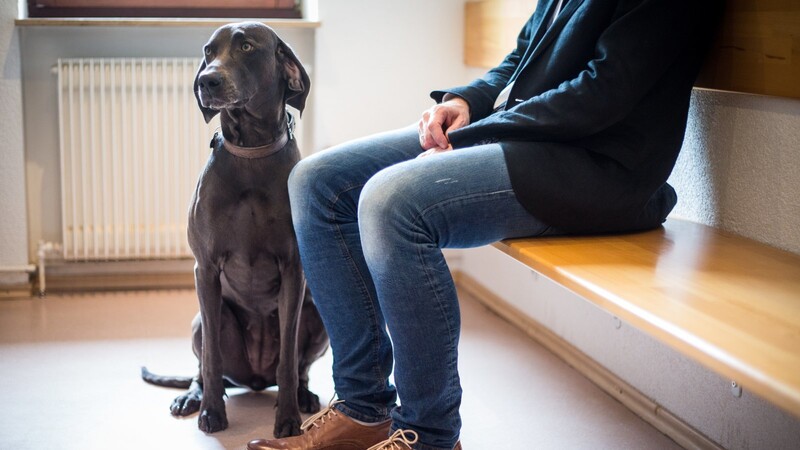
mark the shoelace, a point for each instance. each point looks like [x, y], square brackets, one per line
[322, 415]
[398, 437]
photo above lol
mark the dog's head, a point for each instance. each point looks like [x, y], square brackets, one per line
[247, 62]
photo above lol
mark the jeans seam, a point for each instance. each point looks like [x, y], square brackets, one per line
[375, 350]
[442, 309]
[460, 198]
[436, 289]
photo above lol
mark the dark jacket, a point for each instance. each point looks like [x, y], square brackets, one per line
[597, 114]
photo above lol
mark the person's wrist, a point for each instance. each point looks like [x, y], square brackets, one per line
[449, 97]
[452, 98]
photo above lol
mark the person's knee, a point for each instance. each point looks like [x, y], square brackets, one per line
[300, 180]
[311, 182]
[387, 205]
[308, 189]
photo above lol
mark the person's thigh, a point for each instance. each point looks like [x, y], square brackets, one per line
[338, 174]
[459, 199]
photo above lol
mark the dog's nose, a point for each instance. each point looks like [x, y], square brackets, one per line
[210, 81]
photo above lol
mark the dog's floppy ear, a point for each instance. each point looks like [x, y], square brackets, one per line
[208, 113]
[297, 82]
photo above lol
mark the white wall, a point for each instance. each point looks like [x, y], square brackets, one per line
[378, 60]
[13, 215]
[739, 166]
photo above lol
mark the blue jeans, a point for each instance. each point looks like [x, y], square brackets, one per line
[371, 221]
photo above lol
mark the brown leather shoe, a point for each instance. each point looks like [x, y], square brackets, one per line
[329, 429]
[402, 440]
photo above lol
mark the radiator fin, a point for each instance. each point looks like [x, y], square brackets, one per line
[132, 143]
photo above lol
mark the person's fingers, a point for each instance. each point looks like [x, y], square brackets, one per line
[436, 133]
[440, 120]
[421, 131]
[434, 151]
[431, 129]
[459, 122]
[426, 153]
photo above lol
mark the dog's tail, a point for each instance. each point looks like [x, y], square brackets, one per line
[165, 381]
[174, 382]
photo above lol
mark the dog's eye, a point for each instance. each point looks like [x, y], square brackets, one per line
[247, 47]
[207, 51]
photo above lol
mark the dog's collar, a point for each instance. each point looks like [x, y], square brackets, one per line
[256, 152]
[264, 150]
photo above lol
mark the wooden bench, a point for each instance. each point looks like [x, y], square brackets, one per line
[728, 302]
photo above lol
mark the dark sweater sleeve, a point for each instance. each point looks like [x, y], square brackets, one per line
[481, 93]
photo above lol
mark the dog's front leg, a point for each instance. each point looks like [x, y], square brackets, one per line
[209, 291]
[287, 420]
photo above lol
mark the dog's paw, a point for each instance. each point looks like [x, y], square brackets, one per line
[308, 401]
[186, 404]
[286, 427]
[211, 421]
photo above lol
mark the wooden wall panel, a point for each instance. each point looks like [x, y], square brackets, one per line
[491, 29]
[757, 50]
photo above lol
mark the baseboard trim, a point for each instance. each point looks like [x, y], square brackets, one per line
[641, 405]
[122, 282]
[15, 291]
[70, 277]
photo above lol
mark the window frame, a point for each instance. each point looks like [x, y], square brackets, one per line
[279, 9]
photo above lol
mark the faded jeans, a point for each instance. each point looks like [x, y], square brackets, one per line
[371, 220]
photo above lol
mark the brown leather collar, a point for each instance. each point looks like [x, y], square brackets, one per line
[256, 152]
[264, 150]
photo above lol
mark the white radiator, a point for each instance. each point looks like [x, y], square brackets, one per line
[132, 145]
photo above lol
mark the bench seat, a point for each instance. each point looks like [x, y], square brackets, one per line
[728, 302]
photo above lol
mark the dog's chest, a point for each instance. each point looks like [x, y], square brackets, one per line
[255, 209]
[254, 283]
[241, 222]
[253, 236]
[241, 211]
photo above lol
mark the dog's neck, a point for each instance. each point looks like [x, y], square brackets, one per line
[247, 127]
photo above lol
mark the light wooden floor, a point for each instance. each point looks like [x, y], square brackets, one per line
[69, 379]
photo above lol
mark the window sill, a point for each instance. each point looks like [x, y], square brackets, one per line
[156, 22]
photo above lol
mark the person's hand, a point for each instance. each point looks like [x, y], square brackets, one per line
[440, 120]
[434, 151]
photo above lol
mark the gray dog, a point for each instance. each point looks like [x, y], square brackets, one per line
[258, 326]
